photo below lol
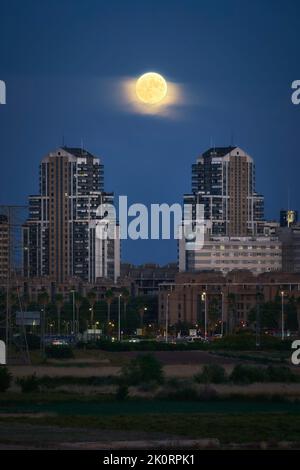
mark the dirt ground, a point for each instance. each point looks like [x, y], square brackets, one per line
[176, 364]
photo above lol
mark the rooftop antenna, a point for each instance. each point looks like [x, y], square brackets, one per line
[81, 146]
[231, 138]
[63, 140]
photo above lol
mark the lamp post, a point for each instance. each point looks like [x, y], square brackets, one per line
[257, 322]
[73, 315]
[282, 314]
[222, 315]
[167, 318]
[119, 317]
[203, 297]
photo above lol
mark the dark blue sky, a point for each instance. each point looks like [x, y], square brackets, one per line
[236, 59]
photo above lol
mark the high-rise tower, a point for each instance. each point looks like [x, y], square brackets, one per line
[59, 237]
[223, 180]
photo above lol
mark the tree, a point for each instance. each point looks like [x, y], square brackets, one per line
[213, 313]
[268, 315]
[231, 320]
[78, 304]
[59, 302]
[142, 369]
[25, 302]
[43, 300]
[126, 297]
[92, 297]
[109, 297]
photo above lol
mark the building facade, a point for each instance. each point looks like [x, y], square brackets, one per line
[223, 180]
[224, 254]
[290, 239]
[4, 248]
[145, 279]
[60, 236]
[235, 233]
[183, 301]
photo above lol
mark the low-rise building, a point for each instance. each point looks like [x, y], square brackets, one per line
[183, 301]
[145, 279]
[225, 254]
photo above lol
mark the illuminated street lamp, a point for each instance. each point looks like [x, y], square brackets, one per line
[222, 315]
[282, 314]
[167, 318]
[73, 312]
[119, 317]
[203, 298]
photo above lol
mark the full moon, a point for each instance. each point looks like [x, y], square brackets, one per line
[151, 88]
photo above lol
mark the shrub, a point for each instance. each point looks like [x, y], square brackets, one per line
[5, 379]
[208, 393]
[181, 394]
[52, 382]
[211, 373]
[122, 392]
[247, 342]
[281, 374]
[142, 369]
[246, 374]
[59, 352]
[147, 386]
[29, 384]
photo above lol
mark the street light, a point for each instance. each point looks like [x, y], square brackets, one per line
[119, 317]
[222, 315]
[167, 318]
[73, 319]
[203, 298]
[282, 314]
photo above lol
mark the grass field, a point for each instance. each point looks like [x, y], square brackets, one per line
[77, 410]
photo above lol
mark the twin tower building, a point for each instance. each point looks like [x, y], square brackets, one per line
[59, 236]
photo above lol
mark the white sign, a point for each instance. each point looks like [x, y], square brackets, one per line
[2, 353]
[2, 92]
[193, 332]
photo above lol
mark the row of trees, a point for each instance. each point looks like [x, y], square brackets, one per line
[141, 312]
[268, 314]
[87, 310]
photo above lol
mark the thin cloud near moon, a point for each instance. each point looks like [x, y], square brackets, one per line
[168, 107]
[120, 94]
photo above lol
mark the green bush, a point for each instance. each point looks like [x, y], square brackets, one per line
[281, 374]
[142, 369]
[211, 373]
[5, 378]
[145, 345]
[52, 382]
[247, 342]
[247, 374]
[122, 392]
[29, 384]
[59, 352]
[181, 394]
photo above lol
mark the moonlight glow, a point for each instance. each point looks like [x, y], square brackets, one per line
[151, 88]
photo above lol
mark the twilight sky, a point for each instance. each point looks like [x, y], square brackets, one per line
[64, 62]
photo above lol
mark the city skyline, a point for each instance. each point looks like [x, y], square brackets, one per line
[234, 82]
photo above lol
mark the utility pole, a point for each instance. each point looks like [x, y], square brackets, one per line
[167, 318]
[282, 314]
[203, 298]
[222, 315]
[119, 317]
[257, 322]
